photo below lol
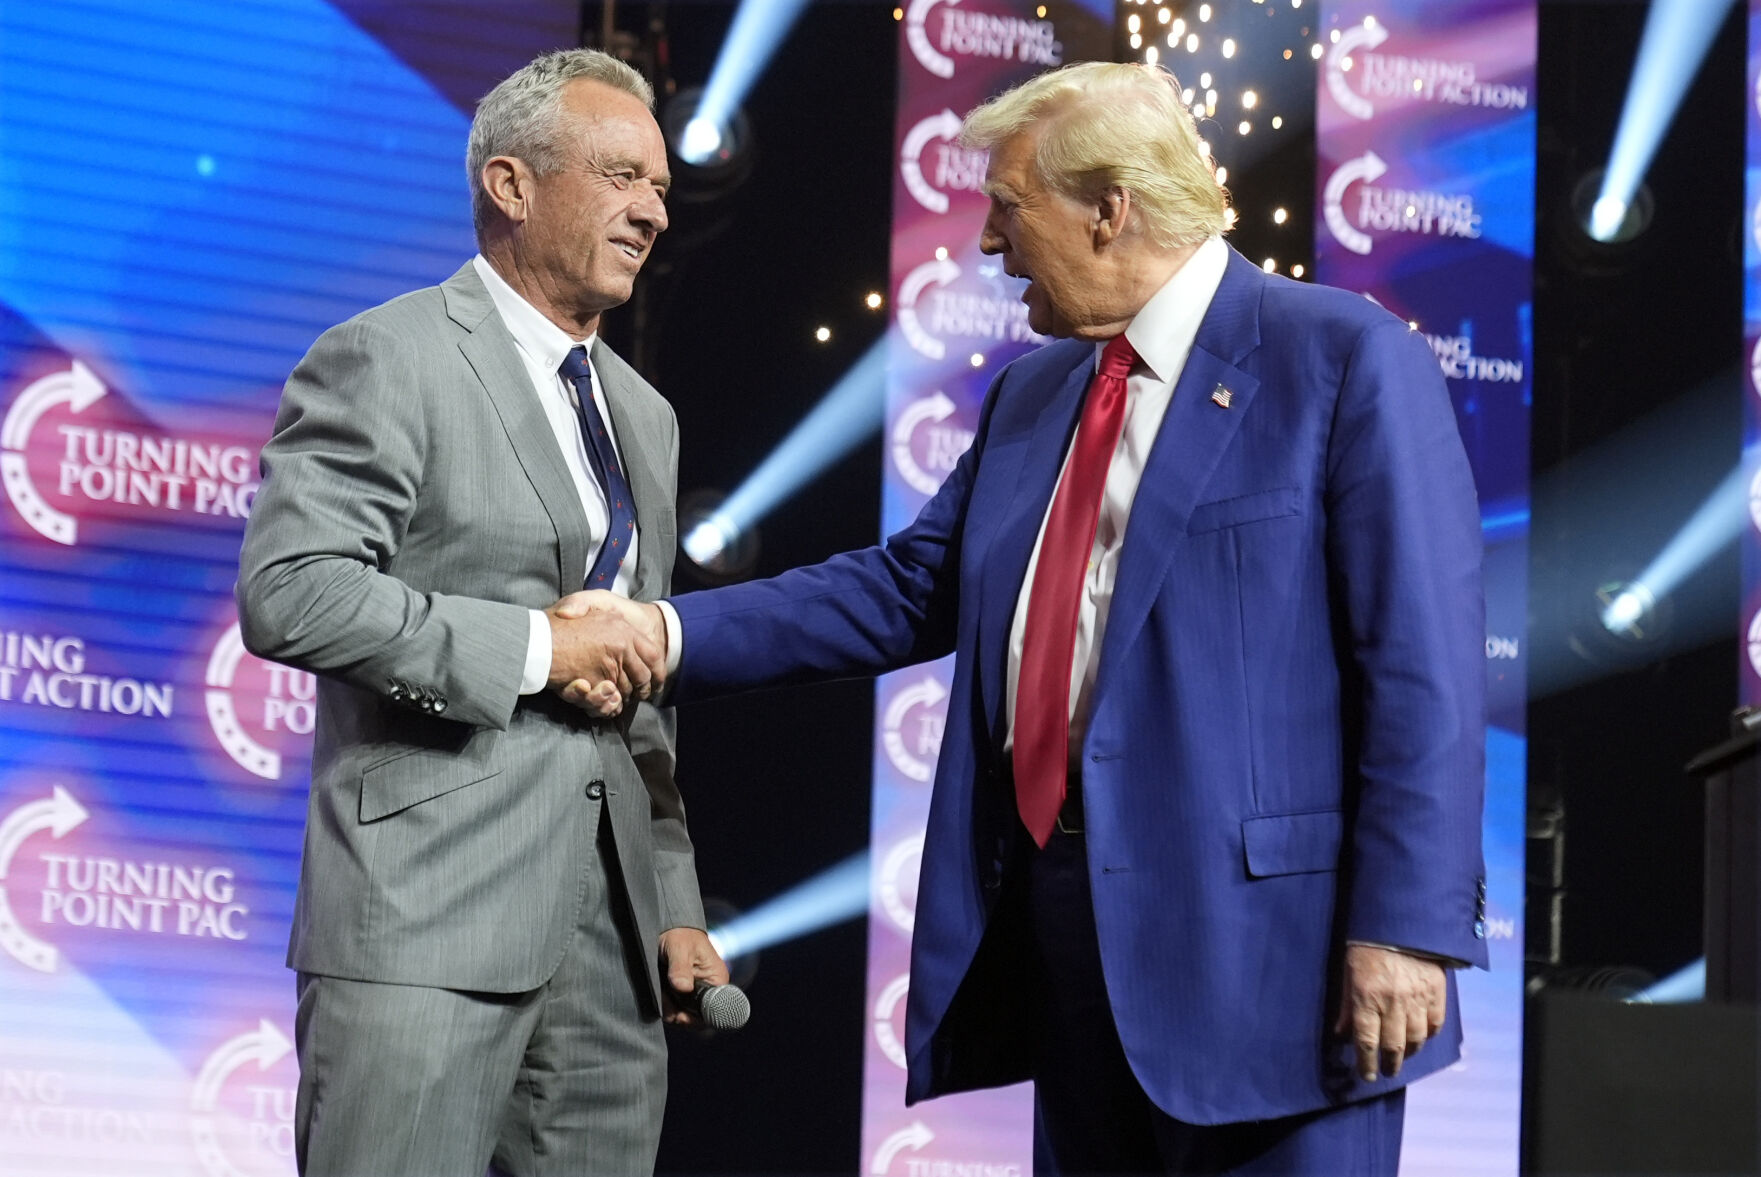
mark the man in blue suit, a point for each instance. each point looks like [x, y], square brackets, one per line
[1205, 837]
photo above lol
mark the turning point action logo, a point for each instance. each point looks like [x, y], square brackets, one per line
[966, 33]
[143, 473]
[262, 1129]
[1420, 79]
[258, 710]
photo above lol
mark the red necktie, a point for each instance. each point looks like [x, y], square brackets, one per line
[1048, 646]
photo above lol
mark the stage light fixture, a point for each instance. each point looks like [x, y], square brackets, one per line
[1609, 220]
[834, 895]
[1676, 37]
[720, 551]
[846, 415]
[712, 154]
[758, 30]
[1714, 524]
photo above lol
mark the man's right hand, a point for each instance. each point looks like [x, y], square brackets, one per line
[644, 618]
[597, 659]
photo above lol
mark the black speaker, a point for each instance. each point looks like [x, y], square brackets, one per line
[1617, 1088]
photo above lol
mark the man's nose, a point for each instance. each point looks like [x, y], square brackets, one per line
[989, 240]
[650, 212]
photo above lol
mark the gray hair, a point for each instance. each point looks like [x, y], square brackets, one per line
[1113, 124]
[521, 116]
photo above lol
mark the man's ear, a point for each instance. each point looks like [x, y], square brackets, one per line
[508, 184]
[1112, 209]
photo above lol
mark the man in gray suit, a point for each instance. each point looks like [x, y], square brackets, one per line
[494, 880]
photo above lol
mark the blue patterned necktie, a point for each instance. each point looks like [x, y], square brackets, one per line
[604, 460]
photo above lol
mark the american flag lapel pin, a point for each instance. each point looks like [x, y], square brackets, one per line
[1222, 396]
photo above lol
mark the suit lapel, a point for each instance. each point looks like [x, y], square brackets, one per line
[637, 443]
[1194, 435]
[1007, 556]
[490, 350]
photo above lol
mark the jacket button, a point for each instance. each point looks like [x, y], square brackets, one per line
[595, 790]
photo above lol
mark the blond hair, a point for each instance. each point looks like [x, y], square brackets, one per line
[1107, 124]
[522, 116]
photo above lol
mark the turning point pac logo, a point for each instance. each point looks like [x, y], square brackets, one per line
[94, 464]
[55, 815]
[259, 710]
[104, 893]
[926, 442]
[955, 168]
[970, 33]
[1390, 210]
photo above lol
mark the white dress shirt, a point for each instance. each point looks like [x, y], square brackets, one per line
[542, 345]
[1162, 334]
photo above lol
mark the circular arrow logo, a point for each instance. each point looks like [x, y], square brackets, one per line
[57, 814]
[1368, 168]
[886, 1034]
[913, 749]
[939, 272]
[917, 36]
[913, 1136]
[1350, 41]
[280, 701]
[78, 389]
[896, 887]
[933, 409]
[265, 1046]
[945, 127]
[1755, 642]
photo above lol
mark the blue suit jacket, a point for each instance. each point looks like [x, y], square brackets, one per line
[1286, 743]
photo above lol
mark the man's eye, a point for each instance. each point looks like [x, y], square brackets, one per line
[623, 179]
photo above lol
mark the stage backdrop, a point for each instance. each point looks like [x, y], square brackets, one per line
[1425, 184]
[1750, 673]
[189, 194]
[1426, 179]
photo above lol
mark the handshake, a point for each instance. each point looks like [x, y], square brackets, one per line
[606, 650]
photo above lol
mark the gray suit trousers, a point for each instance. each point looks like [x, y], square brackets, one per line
[414, 1081]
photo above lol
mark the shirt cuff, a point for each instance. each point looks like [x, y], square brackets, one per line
[675, 638]
[1448, 962]
[536, 676]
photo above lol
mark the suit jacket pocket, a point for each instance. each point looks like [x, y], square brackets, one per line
[416, 776]
[1248, 508]
[1293, 843]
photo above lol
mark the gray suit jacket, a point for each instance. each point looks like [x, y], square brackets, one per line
[414, 506]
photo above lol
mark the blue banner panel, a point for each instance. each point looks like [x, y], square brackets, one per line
[1425, 203]
[189, 195]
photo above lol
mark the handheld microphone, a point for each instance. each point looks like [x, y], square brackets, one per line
[721, 1007]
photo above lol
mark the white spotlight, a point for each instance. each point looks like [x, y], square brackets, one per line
[701, 140]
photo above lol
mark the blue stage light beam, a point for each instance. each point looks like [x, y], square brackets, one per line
[1715, 524]
[759, 28]
[1677, 35]
[847, 414]
[834, 895]
[1684, 985]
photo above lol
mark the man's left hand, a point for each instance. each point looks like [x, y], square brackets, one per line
[1391, 1004]
[687, 957]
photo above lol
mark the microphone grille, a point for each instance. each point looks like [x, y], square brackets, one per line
[724, 1007]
